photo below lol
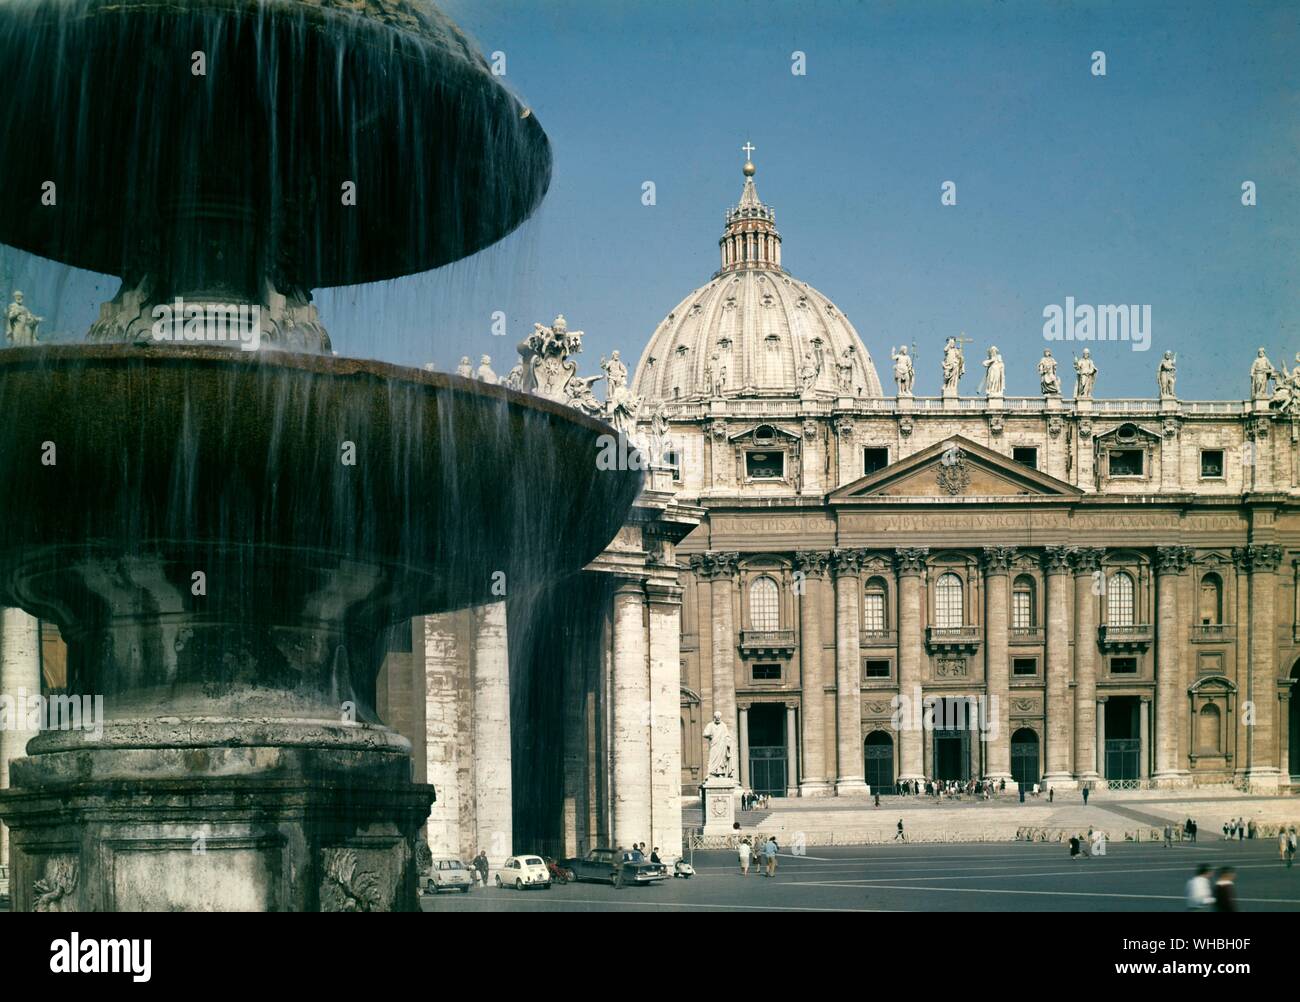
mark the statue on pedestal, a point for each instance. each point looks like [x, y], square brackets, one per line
[1085, 371]
[485, 373]
[1261, 371]
[844, 371]
[807, 373]
[1166, 374]
[954, 365]
[721, 756]
[464, 368]
[1286, 397]
[904, 374]
[995, 379]
[20, 323]
[1048, 381]
[615, 372]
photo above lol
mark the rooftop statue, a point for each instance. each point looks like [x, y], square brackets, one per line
[995, 380]
[615, 372]
[1085, 371]
[20, 323]
[1261, 371]
[1048, 381]
[485, 373]
[954, 364]
[1286, 397]
[464, 368]
[1165, 375]
[904, 374]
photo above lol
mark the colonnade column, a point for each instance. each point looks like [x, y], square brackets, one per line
[20, 679]
[1144, 737]
[909, 563]
[850, 775]
[1101, 737]
[997, 665]
[1261, 561]
[1171, 561]
[720, 569]
[447, 639]
[812, 564]
[630, 714]
[791, 753]
[493, 789]
[742, 745]
[665, 615]
[1057, 561]
[1087, 747]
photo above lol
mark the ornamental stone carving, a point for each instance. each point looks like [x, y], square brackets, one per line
[847, 561]
[998, 559]
[345, 886]
[812, 563]
[1172, 559]
[1258, 558]
[1087, 559]
[952, 474]
[1057, 559]
[910, 559]
[715, 564]
[844, 427]
[55, 890]
[950, 668]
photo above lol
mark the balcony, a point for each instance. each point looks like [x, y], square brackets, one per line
[1125, 639]
[766, 643]
[1025, 636]
[953, 639]
[878, 638]
[1213, 633]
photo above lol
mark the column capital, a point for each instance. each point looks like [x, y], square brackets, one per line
[998, 559]
[812, 563]
[1172, 559]
[1258, 557]
[847, 561]
[715, 564]
[1102, 699]
[1087, 559]
[910, 559]
[663, 594]
[1057, 559]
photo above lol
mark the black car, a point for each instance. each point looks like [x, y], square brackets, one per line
[610, 866]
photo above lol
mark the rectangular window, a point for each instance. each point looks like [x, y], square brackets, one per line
[1212, 464]
[673, 460]
[767, 673]
[1026, 454]
[1123, 666]
[765, 465]
[1125, 462]
[1024, 666]
[877, 668]
[1022, 613]
[873, 611]
[874, 458]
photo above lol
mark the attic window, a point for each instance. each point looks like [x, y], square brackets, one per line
[874, 458]
[765, 465]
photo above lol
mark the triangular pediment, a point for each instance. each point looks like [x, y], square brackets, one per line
[955, 468]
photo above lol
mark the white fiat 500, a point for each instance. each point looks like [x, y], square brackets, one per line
[447, 874]
[522, 872]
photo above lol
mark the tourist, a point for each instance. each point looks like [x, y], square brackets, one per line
[898, 835]
[1085, 794]
[1169, 835]
[1227, 831]
[654, 856]
[481, 865]
[1282, 842]
[1074, 846]
[1051, 794]
[877, 800]
[1292, 845]
[1200, 896]
[1225, 895]
[1241, 829]
[769, 852]
[1099, 845]
[1252, 829]
[743, 850]
[1002, 785]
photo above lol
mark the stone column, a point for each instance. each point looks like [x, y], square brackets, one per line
[493, 788]
[1284, 734]
[1087, 752]
[791, 753]
[665, 719]
[1101, 737]
[1171, 561]
[720, 569]
[1057, 560]
[20, 679]
[446, 648]
[997, 664]
[630, 718]
[909, 563]
[1144, 737]
[742, 746]
[812, 779]
[1261, 561]
[850, 774]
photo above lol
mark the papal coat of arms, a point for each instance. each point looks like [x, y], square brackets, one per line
[953, 476]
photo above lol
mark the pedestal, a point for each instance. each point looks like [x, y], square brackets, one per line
[718, 795]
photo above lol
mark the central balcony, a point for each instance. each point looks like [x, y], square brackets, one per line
[1130, 639]
[953, 639]
[1213, 633]
[766, 643]
[1025, 635]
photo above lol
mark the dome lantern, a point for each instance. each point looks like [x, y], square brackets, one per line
[750, 239]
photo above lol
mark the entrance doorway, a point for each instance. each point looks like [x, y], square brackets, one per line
[1123, 740]
[878, 751]
[767, 749]
[1024, 758]
[952, 735]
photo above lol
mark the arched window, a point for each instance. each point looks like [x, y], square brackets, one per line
[1119, 599]
[874, 615]
[948, 602]
[1211, 600]
[1024, 611]
[1208, 730]
[764, 605]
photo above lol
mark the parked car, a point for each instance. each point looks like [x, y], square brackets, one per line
[522, 872]
[610, 866]
[447, 874]
[559, 872]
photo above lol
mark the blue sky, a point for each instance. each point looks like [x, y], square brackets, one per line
[1117, 189]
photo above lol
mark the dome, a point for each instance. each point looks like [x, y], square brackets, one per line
[754, 330]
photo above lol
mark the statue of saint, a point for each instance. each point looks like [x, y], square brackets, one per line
[844, 371]
[615, 373]
[807, 373]
[1085, 371]
[515, 378]
[464, 368]
[621, 407]
[485, 373]
[995, 379]
[1049, 383]
[20, 323]
[720, 751]
[1166, 374]
[1261, 371]
[954, 365]
[1286, 396]
[903, 371]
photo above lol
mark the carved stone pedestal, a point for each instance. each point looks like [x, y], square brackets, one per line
[718, 795]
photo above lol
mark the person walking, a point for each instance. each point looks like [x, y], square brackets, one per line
[877, 799]
[1292, 845]
[1169, 835]
[898, 835]
[481, 865]
[769, 855]
[1282, 843]
[1225, 894]
[743, 851]
[1200, 895]
[1241, 829]
[1051, 794]
[1085, 794]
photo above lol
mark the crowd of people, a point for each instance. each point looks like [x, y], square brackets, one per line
[768, 850]
[985, 789]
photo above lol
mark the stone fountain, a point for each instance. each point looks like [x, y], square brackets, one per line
[225, 536]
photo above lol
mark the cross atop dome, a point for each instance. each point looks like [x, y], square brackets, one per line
[748, 150]
[750, 239]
